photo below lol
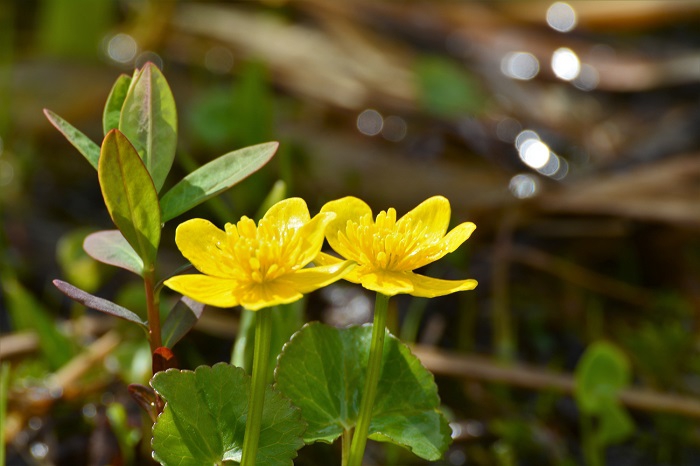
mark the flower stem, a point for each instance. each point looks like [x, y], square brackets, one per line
[374, 366]
[152, 307]
[261, 358]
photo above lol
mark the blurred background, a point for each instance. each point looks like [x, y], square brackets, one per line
[569, 132]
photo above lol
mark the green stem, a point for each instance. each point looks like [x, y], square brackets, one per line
[261, 358]
[374, 366]
[347, 438]
[152, 307]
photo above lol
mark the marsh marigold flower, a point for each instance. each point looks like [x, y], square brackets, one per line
[256, 266]
[387, 251]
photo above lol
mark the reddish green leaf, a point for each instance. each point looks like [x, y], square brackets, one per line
[110, 247]
[115, 102]
[84, 144]
[129, 194]
[215, 177]
[149, 120]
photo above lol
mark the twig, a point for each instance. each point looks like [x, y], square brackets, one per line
[488, 370]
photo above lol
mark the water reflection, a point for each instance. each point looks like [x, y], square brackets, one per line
[370, 122]
[565, 64]
[520, 65]
[561, 17]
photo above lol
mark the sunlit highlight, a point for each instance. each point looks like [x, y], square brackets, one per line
[565, 64]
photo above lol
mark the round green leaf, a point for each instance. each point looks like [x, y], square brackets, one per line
[204, 419]
[322, 370]
[129, 194]
[601, 373]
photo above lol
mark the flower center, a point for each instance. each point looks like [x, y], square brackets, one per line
[385, 244]
[259, 255]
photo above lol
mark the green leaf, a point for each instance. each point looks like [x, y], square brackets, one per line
[98, 304]
[204, 419]
[149, 120]
[76, 265]
[180, 320]
[84, 144]
[446, 89]
[27, 313]
[614, 426]
[110, 247]
[129, 194]
[214, 177]
[115, 102]
[322, 370]
[601, 373]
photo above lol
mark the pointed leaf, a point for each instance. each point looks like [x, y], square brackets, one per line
[215, 177]
[129, 195]
[110, 247]
[84, 144]
[97, 303]
[28, 313]
[204, 419]
[115, 102]
[149, 121]
[322, 370]
[181, 319]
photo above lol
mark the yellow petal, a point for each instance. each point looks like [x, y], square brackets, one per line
[449, 243]
[200, 241]
[427, 287]
[387, 283]
[323, 259]
[313, 278]
[270, 294]
[431, 216]
[288, 214]
[346, 209]
[312, 235]
[208, 290]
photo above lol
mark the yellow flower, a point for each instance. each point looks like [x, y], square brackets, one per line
[256, 267]
[387, 251]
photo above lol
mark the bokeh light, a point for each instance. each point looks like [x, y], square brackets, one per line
[523, 186]
[520, 65]
[394, 128]
[370, 122]
[218, 60]
[565, 64]
[561, 17]
[122, 48]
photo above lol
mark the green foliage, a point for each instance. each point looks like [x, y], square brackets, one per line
[115, 101]
[204, 419]
[110, 247]
[601, 373]
[215, 177]
[322, 370]
[99, 304]
[77, 266]
[84, 144]
[29, 314]
[149, 120]
[130, 197]
[446, 89]
[180, 320]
